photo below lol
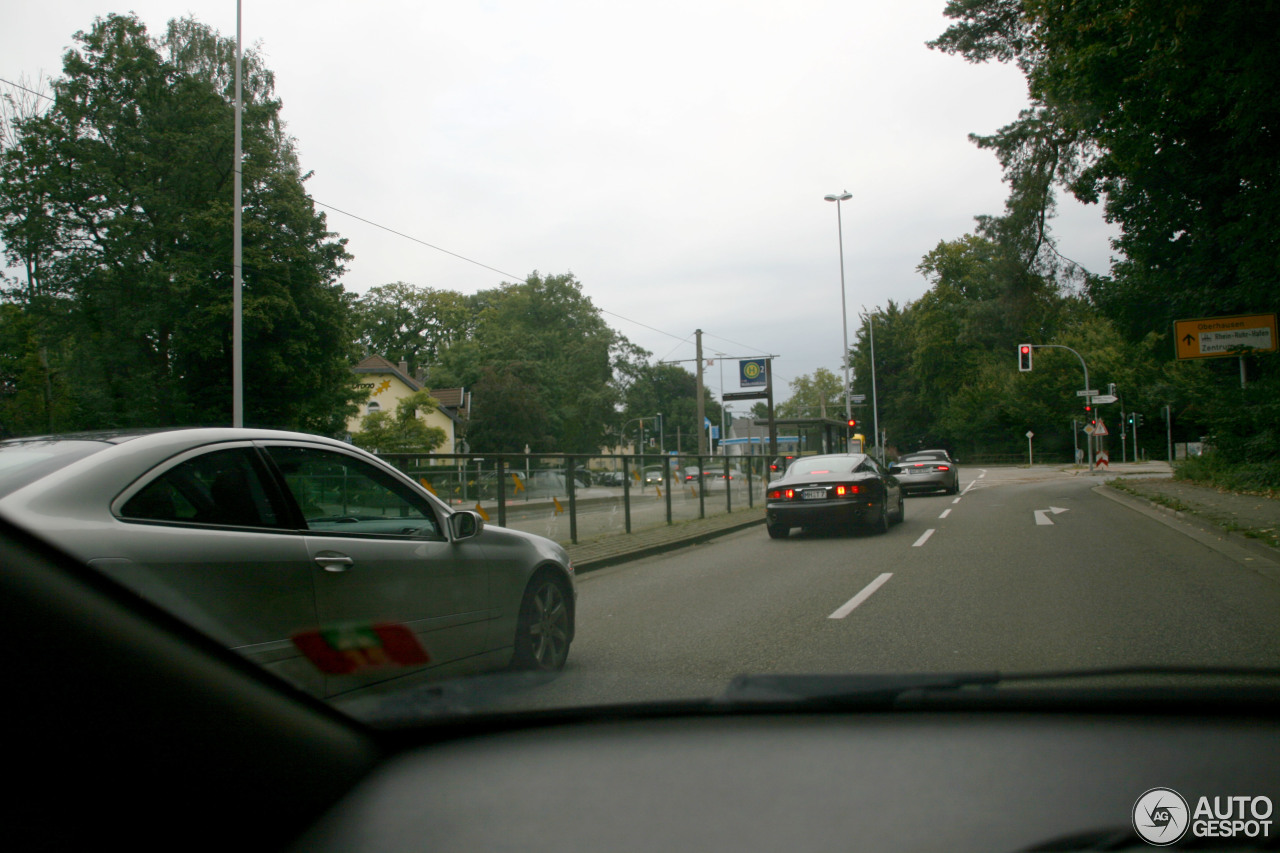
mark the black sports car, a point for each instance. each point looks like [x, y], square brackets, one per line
[834, 489]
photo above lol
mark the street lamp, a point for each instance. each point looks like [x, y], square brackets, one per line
[844, 316]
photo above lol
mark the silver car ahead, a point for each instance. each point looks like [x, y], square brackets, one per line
[927, 471]
[309, 556]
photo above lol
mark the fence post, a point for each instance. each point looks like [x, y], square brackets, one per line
[502, 492]
[626, 493]
[571, 481]
[666, 481]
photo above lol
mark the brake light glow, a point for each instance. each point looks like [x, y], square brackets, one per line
[847, 491]
[781, 494]
[944, 467]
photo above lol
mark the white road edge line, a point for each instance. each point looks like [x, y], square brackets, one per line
[923, 539]
[852, 603]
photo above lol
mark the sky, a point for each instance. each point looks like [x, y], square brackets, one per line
[672, 156]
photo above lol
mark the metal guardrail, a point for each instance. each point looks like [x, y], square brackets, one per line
[570, 496]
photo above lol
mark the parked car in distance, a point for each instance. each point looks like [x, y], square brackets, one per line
[778, 466]
[297, 552]
[837, 489]
[690, 474]
[718, 480]
[927, 471]
[610, 478]
[653, 475]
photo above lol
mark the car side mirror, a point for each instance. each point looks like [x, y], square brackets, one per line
[465, 524]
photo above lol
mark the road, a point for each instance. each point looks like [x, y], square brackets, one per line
[1024, 570]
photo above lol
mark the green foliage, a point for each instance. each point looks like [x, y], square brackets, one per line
[672, 391]
[1218, 469]
[403, 432]
[1166, 114]
[116, 205]
[538, 360]
[414, 324]
[819, 395]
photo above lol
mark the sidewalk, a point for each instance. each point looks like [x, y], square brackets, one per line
[619, 548]
[1254, 517]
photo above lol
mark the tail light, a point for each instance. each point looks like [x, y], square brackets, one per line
[847, 491]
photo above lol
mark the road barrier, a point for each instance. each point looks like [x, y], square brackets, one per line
[569, 497]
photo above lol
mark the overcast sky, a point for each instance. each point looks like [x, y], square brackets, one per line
[672, 155]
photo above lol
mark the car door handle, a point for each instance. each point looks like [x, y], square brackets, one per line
[332, 562]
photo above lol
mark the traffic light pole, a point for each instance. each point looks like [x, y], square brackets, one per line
[1089, 402]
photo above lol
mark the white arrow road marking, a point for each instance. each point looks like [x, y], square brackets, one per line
[1042, 515]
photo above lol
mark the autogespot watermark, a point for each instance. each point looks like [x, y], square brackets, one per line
[1162, 816]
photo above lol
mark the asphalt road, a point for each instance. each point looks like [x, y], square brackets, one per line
[1023, 571]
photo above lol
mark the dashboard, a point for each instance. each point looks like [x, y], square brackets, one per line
[126, 727]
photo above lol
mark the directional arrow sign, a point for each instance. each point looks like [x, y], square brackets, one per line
[1042, 515]
[1215, 337]
[1104, 398]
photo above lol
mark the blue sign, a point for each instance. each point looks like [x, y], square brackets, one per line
[753, 373]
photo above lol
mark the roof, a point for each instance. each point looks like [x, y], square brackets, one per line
[379, 364]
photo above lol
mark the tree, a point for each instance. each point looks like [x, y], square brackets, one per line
[403, 432]
[116, 206]
[1166, 114]
[671, 391]
[539, 361]
[818, 396]
[414, 324]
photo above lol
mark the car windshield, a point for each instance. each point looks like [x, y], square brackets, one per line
[492, 357]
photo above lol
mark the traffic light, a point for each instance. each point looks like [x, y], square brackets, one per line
[1137, 418]
[853, 422]
[1024, 357]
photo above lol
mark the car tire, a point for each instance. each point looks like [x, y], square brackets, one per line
[544, 628]
[901, 515]
[777, 531]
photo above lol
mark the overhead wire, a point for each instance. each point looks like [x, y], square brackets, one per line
[461, 257]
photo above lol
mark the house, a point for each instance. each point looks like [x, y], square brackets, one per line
[389, 383]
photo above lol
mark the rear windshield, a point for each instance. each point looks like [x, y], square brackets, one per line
[24, 462]
[923, 457]
[824, 465]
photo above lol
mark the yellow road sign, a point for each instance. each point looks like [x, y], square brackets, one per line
[1215, 337]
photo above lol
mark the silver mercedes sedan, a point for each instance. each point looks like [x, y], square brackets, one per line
[309, 556]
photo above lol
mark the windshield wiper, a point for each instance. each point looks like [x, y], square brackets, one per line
[894, 690]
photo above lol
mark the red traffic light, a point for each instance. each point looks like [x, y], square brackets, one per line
[1024, 357]
[853, 422]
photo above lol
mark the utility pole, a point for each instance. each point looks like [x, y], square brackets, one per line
[702, 405]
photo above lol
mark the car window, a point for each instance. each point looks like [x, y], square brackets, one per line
[341, 494]
[220, 487]
[824, 464]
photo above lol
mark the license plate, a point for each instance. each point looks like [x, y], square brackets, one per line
[813, 494]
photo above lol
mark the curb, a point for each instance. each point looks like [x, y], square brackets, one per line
[1243, 550]
[623, 555]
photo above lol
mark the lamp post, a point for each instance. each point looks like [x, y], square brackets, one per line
[844, 316]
